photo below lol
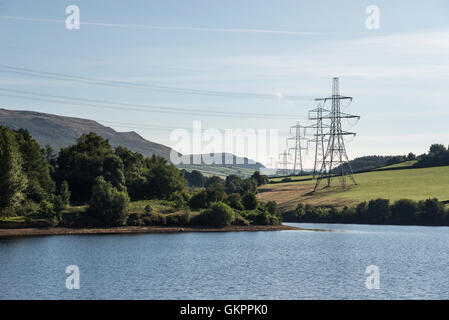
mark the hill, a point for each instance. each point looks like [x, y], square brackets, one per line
[60, 131]
[414, 184]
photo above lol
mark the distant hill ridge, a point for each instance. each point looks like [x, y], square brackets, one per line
[61, 131]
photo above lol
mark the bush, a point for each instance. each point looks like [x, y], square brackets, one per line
[250, 201]
[235, 201]
[134, 220]
[107, 204]
[403, 212]
[199, 200]
[155, 219]
[240, 221]
[219, 214]
[147, 210]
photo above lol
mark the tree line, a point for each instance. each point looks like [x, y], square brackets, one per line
[429, 212]
[37, 182]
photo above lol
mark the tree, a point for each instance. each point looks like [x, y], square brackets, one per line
[404, 212]
[261, 179]
[64, 193]
[107, 204]
[13, 180]
[163, 178]
[81, 163]
[411, 156]
[219, 214]
[250, 201]
[235, 201]
[437, 148]
[36, 167]
[194, 178]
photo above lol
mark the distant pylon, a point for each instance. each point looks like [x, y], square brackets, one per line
[284, 162]
[335, 155]
[319, 136]
[297, 160]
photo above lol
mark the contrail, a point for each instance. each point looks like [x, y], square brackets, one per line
[180, 28]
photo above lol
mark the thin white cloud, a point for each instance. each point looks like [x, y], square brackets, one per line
[183, 28]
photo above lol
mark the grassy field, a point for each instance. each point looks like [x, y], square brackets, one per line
[218, 170]
[400, 165]
[415, 184]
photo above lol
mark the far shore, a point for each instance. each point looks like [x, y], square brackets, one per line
[130, 230]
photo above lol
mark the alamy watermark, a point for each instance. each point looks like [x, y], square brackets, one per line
[200, 146]
[372, 21]
[72, 22]
[373, 280]
[73, 280]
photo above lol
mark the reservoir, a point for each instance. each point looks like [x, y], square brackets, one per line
[413, 263]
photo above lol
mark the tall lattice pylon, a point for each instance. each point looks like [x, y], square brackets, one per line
[298, 138]
[336, 156]
[284, 163]
[319, 136]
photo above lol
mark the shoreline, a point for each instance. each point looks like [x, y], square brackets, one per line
[25, 232]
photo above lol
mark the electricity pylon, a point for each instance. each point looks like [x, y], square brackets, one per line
[297, 160]
[336, 155]
[284, 162]
[319, 136]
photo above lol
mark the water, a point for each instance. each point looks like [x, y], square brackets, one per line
[413, 263]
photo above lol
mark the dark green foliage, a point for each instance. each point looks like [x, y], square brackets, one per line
[194, 178]
[162, 179]
[431, 212]
[378, 211]
[199, 200]
[250, 201]
[233, 184]
[81, 163]
[235, 201]
[259, 178]
[40, 183]
[395, 160]
[438, 155]
[13, 180]
[240, 221]
[404, 212]
[148, 210]
[135, 171]
[371, 162]
[107, 204]
[65, 193]
[219, 214]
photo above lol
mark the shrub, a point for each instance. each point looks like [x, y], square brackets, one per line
[219, 214]
[250, 201]
[147, 210]
[235, 201]
[240, 221]
[403, 212]
[107, 204]
[199, 200]
[134, 220]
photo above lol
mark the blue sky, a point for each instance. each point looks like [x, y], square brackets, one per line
[398, 75]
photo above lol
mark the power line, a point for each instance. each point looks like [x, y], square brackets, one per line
[134, 107]
[134, 85]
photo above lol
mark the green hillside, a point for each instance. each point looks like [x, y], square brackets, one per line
[415, 184]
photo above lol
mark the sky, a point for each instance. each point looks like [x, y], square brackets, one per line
[155, 66]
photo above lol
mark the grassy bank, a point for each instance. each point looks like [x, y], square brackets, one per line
[414, 184]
